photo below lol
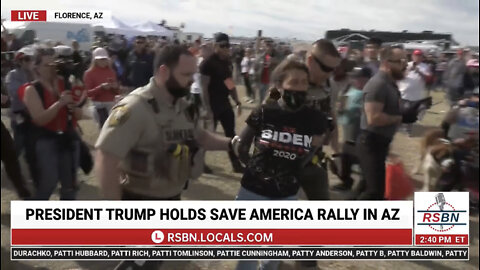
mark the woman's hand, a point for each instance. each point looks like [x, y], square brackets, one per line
[65, 98]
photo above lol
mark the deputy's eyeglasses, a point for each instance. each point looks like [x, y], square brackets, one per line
[324, 67]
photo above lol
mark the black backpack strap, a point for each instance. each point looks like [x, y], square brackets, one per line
[39, 88]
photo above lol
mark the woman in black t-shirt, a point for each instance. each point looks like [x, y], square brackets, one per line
[285, 134]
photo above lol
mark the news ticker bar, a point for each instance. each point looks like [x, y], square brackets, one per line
[237, 253]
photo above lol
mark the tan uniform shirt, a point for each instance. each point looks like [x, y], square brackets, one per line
[319, 98]
[145, 132]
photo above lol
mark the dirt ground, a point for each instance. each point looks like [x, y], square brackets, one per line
[223, 185]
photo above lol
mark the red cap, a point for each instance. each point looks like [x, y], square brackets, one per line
[19, 56]
[417, 52]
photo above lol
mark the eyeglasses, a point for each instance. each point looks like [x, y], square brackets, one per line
[324, 67]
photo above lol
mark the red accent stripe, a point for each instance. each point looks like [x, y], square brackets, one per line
[279, 236]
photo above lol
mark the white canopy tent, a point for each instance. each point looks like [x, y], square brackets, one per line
[426, 47]
[151, 28]
[116, 26]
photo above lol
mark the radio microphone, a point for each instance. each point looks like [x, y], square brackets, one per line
[440, 198]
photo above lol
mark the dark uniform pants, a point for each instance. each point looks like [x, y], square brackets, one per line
[374, 149]
[136, 265]
[227, 120]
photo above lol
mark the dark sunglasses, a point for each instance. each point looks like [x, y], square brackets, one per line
[224, 45]
[324, 67]
[399, 61]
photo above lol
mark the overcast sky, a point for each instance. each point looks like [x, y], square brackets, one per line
[303, 19]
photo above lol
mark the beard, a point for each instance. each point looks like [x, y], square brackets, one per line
[175, 89]
[398, 74]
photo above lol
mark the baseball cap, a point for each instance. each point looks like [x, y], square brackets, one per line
[25, 51]
[100, 53]
[417, 52]
[63, 50]
[363, 72]
[221, 37]
[472, 63]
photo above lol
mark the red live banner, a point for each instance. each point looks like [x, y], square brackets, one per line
[211, 237]
[29, 15]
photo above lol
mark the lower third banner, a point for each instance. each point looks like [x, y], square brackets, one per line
[237, 253]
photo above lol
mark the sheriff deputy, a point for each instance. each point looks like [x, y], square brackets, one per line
[146, 149]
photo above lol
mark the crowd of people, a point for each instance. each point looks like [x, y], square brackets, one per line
[158, 104]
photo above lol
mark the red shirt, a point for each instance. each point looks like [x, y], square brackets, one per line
[94, 77]
[59, 122]
[266, 70]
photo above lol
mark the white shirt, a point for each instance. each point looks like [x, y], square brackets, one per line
[412, 87]
[196, 87]
[247, 65]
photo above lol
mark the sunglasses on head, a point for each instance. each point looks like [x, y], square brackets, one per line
[324, 67]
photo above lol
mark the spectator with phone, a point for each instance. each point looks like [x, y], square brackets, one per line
[413, 86]
[54, 115]
[101, 84]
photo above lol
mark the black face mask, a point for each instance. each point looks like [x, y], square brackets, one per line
[294, 99]
[175, 89]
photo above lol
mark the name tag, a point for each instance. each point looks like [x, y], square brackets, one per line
[177, 134]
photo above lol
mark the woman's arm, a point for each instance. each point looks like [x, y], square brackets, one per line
[246, 139]
[40, 115]
[92, 90]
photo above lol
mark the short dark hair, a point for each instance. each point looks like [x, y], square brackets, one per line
[280, 72]
[170, 55]
[375, 41]
[325, 46]
[387, 52]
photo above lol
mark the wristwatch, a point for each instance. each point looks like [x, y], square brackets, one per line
[233, 145]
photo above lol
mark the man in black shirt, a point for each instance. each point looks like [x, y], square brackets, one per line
[371, 51]
[217, 85]
[139, 64]
[380, 119]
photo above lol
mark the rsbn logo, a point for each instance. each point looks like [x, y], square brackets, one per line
[441, 216]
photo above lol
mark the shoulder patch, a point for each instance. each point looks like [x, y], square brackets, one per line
[119, 115]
